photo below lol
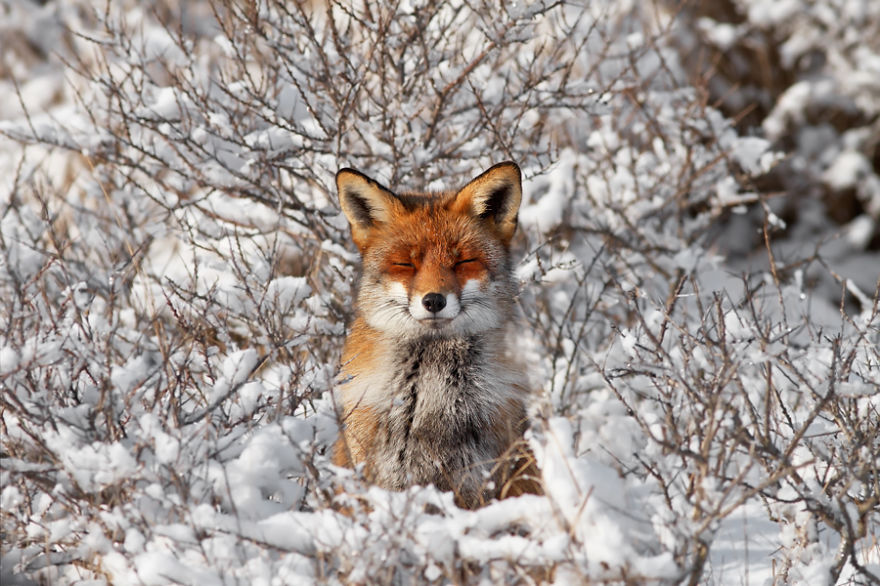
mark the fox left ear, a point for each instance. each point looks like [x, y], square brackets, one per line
[365, 202]
[494, 197]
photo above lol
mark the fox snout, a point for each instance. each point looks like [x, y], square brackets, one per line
[435, 306]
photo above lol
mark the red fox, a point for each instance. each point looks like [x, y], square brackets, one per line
[429, 392]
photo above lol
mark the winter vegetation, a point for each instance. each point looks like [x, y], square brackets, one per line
[699, 298]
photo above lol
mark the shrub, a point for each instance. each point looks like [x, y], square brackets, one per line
[176, 279]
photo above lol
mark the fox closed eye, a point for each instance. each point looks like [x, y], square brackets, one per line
[461, 262]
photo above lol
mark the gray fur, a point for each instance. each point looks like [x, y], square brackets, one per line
[438, 426]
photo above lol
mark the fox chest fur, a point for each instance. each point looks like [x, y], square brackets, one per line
[446, 414]
[428, 393]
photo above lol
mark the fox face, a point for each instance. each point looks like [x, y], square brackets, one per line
[434, 264]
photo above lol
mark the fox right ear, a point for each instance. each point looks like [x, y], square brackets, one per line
[365, 203]
[494, 198]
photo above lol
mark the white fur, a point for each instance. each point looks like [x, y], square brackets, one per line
[418, 311]
[480, 309]
[391, 310]
[388, 308]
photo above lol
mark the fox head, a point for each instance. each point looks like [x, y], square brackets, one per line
[436, 263]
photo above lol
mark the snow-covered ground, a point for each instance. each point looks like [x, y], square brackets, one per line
[699, 297]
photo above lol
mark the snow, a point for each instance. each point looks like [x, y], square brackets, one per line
[754, 154]
[847, 170]
[548, 211]
[9, 359]
[176, 279]
[722, 35]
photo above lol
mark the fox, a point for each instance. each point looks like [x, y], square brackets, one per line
[430, 392]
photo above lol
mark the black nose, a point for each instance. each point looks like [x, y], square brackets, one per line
[434, 302]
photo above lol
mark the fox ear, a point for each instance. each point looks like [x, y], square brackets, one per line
[494, 197]
[365, 203]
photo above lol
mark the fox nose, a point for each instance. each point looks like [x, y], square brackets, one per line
[434, 302]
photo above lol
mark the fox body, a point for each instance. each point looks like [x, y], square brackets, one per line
[428, 391]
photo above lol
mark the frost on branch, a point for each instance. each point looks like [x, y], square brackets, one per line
[175, 280]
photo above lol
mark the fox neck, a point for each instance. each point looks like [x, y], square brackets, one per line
[446, 368]
[434, 369]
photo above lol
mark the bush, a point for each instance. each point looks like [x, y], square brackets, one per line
[176, 279]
